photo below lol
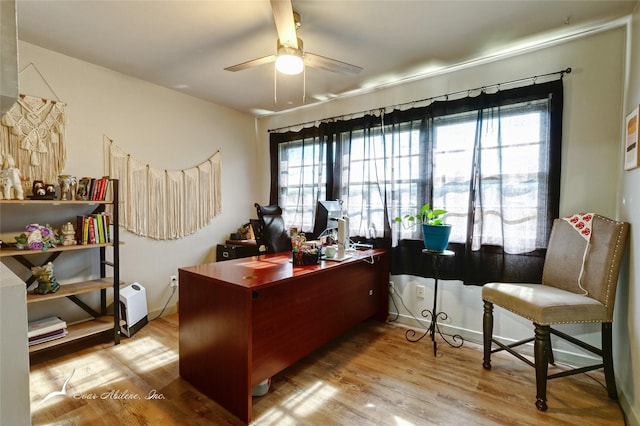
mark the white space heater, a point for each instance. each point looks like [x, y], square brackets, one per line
[133, 309]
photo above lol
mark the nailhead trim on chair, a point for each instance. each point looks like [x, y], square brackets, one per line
[614, 255]
[555, 323]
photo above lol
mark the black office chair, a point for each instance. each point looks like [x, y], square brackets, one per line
[273, 233]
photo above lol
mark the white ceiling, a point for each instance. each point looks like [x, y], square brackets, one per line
[185, 45]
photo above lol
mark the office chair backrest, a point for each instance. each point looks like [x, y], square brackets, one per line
[597, 276]
[274, 234]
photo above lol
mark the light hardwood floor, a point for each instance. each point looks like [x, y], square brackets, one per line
[370, 376]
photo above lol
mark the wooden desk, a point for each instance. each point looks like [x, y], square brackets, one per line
[244, 320]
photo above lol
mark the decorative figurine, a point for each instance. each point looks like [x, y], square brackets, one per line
[68, 186]
[26, 186]
[69, 234]
[10, 179]
[50, 190]
[82, 192]
[38, 188]
[46, 280]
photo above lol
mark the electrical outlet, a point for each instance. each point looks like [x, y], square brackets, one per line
[420, 291]
[173, 281]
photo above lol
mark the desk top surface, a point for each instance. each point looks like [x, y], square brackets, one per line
[264, 270]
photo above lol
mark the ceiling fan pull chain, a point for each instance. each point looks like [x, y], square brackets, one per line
[304, 85]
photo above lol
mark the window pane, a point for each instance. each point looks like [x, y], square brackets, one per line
[302, 181]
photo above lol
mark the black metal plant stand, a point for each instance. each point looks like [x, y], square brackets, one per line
[434, 315]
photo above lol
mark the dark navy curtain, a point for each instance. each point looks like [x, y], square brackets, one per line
[502, 190]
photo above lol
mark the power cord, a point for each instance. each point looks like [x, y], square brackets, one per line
[173, 291]
[392, 292]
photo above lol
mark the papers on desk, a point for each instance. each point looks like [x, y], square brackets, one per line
[338, 259]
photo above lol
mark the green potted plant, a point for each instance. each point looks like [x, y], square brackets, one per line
[435, 232]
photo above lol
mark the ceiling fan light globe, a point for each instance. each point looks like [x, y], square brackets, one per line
[289, 61]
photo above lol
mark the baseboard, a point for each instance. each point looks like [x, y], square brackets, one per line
[475, 336]
[632, 418]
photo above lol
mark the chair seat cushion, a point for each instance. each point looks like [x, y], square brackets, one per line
[545, 305]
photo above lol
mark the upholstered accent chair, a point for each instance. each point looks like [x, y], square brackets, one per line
[273, 233]
[579, 283]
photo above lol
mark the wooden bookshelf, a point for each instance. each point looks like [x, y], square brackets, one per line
[73, 289]
[12, 251]
[78, 331]
[15, 213]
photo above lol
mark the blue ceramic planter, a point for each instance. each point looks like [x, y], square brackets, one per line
[436, 237]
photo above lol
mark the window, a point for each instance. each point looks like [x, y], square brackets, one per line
[512, 174]
[491, 161]
[302, 180]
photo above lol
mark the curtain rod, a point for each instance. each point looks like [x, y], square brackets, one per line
[446, 96]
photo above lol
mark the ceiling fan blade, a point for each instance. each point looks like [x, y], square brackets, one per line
[252, 63]
[329, 64]
[285, 23]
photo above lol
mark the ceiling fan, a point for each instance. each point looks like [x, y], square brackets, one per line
[291, 57]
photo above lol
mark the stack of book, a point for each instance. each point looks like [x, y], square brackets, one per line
[93, 189]
[46, 329]
[98, 189]
[93, 229]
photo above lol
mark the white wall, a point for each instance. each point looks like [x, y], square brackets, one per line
[590, 175]
[627, 316]
[157, 126]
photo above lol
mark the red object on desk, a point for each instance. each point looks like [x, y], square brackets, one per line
[244, 320]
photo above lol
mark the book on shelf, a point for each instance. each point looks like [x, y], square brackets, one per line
[79, 229]
[44, 326]
[92, 189]
[96, 189]
[92, 230]
[106, 220]
[48, 336]
[98, 224]
[104, 183]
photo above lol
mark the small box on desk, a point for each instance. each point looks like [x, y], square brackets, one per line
[303, 258]
[228, 251]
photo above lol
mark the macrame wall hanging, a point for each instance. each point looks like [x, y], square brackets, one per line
[33, 133]
[165, 204]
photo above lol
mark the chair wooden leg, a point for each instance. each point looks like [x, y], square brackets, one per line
[487, 333]
[541, 354]
[607, 359]
[552, 360]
